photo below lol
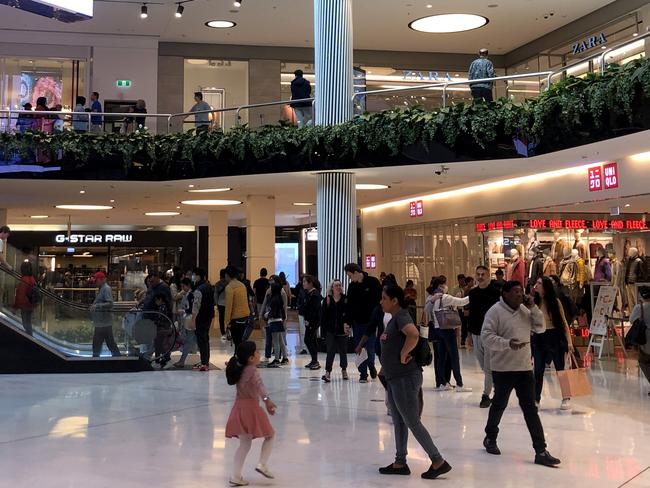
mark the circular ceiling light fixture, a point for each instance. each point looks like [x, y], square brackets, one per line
[209, 190]
[84, 207]
[447, 23]
[371, 186]
[303, 204]
[211, 203]
[38, 216]
[162, 214]
[221, 24]
[237, 3]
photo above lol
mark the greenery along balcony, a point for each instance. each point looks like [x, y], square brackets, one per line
[572, 112]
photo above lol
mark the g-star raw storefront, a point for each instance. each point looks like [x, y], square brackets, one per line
[68, 260]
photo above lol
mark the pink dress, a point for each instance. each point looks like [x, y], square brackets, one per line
[247, 416]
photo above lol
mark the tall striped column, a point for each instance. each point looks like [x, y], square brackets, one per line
[333, 53]
[336, 206]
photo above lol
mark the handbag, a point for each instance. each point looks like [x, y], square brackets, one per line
[422, 353]
[574, 381]
[637, 335]
[448, 318]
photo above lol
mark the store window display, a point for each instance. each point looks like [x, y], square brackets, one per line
[633, 265]
[516, 269]
[603, 267]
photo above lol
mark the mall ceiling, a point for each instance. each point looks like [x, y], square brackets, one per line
[512, 23]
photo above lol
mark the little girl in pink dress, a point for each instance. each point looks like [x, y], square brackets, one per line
[247, 420]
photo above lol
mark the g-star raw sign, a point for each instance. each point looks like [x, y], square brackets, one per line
[93, 238]
[589, 43]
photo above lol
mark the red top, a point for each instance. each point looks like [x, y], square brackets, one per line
[23, 292]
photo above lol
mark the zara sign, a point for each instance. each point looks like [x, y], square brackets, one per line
[93, 238]
[589, 43]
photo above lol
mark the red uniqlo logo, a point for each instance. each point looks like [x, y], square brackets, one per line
[610, 175]
[416, 208]
[412, 209]
[595, 178]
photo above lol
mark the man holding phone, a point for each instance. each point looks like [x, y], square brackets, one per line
[506, 335]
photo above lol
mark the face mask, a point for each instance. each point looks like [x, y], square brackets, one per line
[193, 278]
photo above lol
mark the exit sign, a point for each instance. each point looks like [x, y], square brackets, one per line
[123, 83]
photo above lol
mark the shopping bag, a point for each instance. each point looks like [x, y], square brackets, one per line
[360, 358]
[574, 381]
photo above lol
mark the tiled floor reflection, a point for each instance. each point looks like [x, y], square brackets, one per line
[166, 429]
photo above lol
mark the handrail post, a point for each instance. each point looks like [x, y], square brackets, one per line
[313, 111]
[237, 116]
[444, 95]
[169, 124]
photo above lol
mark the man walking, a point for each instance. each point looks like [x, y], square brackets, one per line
[96, 121]
[364, 294]
[301, 88]
[506, 333]
[201, 120]
[260, 286]
[102, 317]
[481, 68]
[237, 309]
[202, 315]
[481, 299]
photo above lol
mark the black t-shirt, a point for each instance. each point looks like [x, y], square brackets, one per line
[260, 286]
[363, 297]
[391, 348]
[480, 301]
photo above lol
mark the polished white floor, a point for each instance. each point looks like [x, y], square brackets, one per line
[166, 429]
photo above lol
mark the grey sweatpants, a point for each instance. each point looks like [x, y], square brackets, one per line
[483, 356]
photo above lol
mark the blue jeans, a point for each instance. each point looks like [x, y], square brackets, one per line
[447, 347]
[358, 330]
[404, 406]
[189, 343]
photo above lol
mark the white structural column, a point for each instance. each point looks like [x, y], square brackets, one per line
[333, 53]
[260, 235]
[217, 243]
[336, 206]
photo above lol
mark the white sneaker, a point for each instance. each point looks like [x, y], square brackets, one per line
[447, 387]
[463, 389]
[566, 404]
[264, 471]
[225, 339]
[238, 482]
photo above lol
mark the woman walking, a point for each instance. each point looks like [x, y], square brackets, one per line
[275, 316]
[312, 310]
[247, 420]
[556, 341]
[332, 326]
[404, 381]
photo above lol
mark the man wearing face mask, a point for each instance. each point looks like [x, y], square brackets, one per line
[202, 315]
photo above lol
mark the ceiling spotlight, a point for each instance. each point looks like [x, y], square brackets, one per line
[162, 214]
[371, 186]
[237, 3]
[144, 12]
[179, 11]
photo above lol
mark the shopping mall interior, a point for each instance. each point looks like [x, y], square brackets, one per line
[438, 161]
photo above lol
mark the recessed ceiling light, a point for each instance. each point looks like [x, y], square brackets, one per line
[162, 214]
[209, 190]
[197, 61]
[211, 202]
[84, 207]
[112, 201]
[626, 206]
[178, 207]
[429, 6]
[82, 192]
[220, 24]
[46, 216]
[190, 186]
[446, 23]
[370, 186]
[303, 204]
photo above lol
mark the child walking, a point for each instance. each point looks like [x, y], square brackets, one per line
[247, 420]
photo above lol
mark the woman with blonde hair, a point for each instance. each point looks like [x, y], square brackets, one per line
[334, 330]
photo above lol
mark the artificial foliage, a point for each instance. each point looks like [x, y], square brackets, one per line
[572, 112]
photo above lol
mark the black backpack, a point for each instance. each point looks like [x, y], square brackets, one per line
[422, 353]
[35, 296]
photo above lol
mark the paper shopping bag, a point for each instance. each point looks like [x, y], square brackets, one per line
[359, 359]
[574, 382]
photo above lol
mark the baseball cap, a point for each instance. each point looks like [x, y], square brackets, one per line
[100, 275]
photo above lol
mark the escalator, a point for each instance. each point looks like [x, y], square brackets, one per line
[62, 334]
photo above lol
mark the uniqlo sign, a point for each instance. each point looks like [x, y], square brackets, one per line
[595, 178]
[416, 208]
[610, 176]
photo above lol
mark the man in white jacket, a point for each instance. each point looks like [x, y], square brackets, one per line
[506, 334]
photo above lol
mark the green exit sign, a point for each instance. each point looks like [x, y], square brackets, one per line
[123, 83]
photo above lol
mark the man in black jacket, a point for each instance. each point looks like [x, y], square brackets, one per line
[364, 294]
[301, 88]
[202, 315]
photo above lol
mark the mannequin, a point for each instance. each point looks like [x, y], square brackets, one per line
[603, 270]
[557, 248]
[581, 246]
[532, 246]
[583, 272]
[516, 268]
[536, 270]
[550, 267]
[633, 274]
[568, 269]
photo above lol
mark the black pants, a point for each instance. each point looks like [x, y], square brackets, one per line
[203, 341]
[336, 343]
[443, 376]
[26, 316]
[311, 341]
[463, 327]
[161, 343]
[482, 93]
[101, 335]
[237, 328]
[548, 345]
[222, 319]
[523, 382]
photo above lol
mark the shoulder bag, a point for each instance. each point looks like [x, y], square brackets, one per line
[448, 318]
